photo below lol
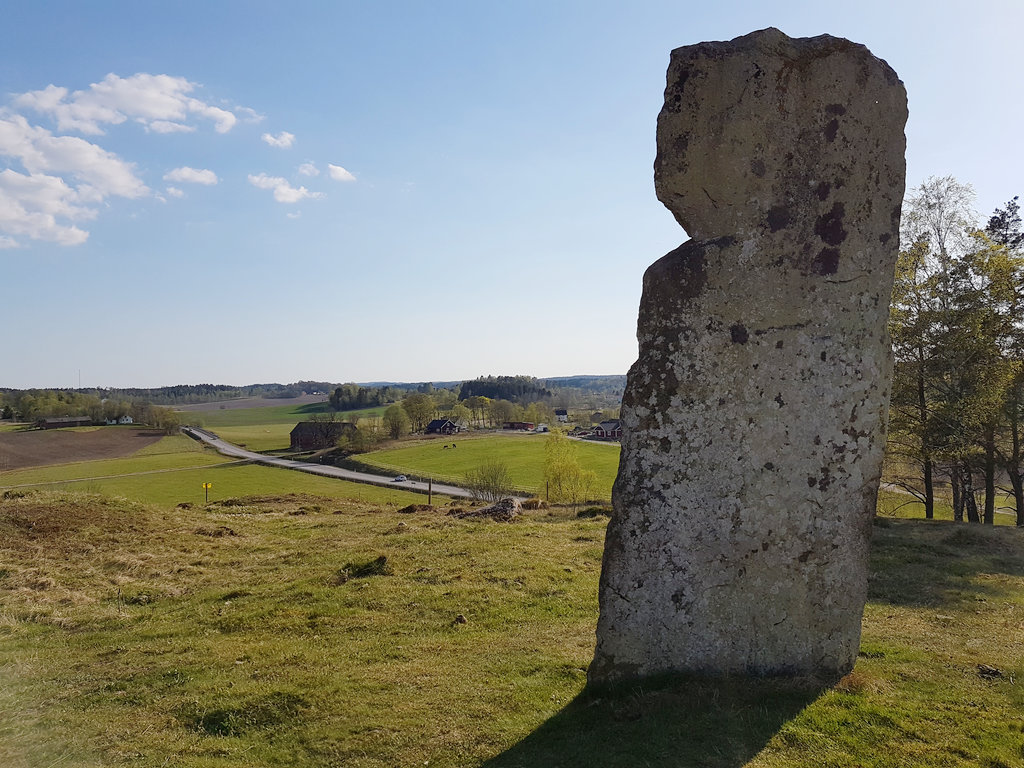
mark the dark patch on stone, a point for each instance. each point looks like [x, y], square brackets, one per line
[739, 334]
[824, 357]
[829, 226]
[826, 262]
[811, 482]
[831, 130]
[757, 168]
[826, 479]
[884, 238]
[836, 109]
[769, 466]
[779, 217]
[823, 190]
[778, 344]
[805, 555]
[779, 400]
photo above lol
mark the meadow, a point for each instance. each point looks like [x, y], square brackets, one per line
[173, 471]
[268, 632]
[522, 453]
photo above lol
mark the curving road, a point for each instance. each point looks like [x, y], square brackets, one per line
[230, 449]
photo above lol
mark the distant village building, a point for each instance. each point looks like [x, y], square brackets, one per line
[528, 425]
[317, 435]
[120, 420]
[562, 415]
[608, 430]
[442, 427]
[61, 422]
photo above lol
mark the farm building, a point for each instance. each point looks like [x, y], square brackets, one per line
[608, 430]
[518, 425]
[315, 435]
[562, 415]
[64, 421]
[442, 427]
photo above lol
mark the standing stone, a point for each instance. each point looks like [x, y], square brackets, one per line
[754, 419]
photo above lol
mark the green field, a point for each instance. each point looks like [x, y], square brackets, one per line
[174, 469]
[523, 454]
[270, 634]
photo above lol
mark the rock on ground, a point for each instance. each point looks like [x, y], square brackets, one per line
[754, 418]
[503, 511]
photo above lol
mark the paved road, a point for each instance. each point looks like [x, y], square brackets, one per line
[230, 449]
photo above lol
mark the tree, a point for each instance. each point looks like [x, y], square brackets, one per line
[396, 421]
[460, 414]
[934, 294]
[1004, 230]
[501, 411]
[490, 481]
[420, 409]
[566, 482]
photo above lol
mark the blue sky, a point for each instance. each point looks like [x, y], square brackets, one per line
[240, 192]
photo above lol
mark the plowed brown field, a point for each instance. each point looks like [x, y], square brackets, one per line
[36, 448]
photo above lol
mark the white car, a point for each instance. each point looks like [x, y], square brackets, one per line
[400, 479]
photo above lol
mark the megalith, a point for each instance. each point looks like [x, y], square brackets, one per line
[754, 419]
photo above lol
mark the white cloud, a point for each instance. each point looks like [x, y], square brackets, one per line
[175, 192]
[30, 205]
[161, 103]
[166, 126]
[192, 176]
[39, 151]
[309, 169]
[283, 140]
[338, 173]
[249, 115]
[283, 191]
[295, 215]
[66, 177]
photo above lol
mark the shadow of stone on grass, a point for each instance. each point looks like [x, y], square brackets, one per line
[667, 722]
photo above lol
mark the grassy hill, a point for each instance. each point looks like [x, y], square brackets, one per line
[267, 632]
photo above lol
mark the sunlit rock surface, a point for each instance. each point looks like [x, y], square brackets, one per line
[754, 418]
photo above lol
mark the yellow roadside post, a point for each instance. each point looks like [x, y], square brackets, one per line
[206, 487]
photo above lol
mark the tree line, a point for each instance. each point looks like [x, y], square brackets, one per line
[957, 404]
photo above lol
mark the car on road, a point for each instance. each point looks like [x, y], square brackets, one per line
[400, 479]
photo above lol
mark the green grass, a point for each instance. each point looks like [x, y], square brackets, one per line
[524, 455]
[224, 636]
[174, 469]
[259, 437]
[275, 414]
[80, 470]
[900, 505]
[235, 480]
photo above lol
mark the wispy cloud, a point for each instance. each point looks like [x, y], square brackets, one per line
[283, 191]
[338, 173]
[309, 169]
[283, 140]
[191, 175]
[175, 192]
